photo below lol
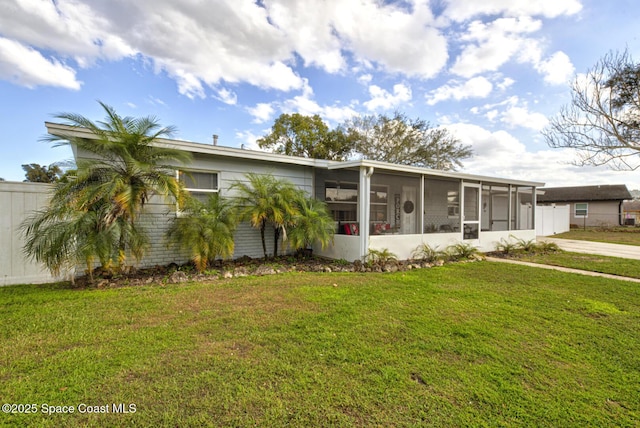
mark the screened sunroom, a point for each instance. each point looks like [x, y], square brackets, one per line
[377, 205]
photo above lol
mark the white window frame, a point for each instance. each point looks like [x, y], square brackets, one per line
[193, 191]
[586, 210]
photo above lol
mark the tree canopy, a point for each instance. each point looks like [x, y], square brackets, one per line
[396, 139]
[404, 141]
[307, 136]
[37, 173]
[602, 121]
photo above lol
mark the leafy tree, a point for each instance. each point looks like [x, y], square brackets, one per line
[401, 140]
[311, 223]
[37, 173]
[602, 121]
[306, 136]
[264, 200]
[205, 230]
[112, 184]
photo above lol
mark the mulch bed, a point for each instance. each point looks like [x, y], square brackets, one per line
[242, 267]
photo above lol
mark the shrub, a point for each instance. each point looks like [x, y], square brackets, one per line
[461, 251]
[427, 253]
[547, 247]
[380, 257]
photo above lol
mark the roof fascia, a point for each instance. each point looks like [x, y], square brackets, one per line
[73, 131]
[386, 166]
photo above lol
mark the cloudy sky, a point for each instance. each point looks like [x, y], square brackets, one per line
[492, 71]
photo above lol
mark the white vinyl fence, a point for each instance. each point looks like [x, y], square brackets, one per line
[17, 202]
[551, 220]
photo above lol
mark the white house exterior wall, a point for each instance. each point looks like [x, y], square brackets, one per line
[403, 246]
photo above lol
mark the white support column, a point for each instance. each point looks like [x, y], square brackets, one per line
[364, 208]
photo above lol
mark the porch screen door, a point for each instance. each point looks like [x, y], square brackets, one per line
[471, 211]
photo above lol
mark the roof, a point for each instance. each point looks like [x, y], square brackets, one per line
[210, 149]
[606, 192]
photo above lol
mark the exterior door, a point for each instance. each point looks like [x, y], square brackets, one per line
[408, 209]
[471, 211]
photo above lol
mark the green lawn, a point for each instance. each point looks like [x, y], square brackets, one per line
[590, 262]
[621, 235]
[468, 344]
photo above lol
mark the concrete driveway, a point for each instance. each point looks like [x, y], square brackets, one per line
[603, 249]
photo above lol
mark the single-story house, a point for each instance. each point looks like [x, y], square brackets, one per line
[375, 205]
[590, 205]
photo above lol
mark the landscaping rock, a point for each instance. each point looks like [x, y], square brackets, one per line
[264, 270]
[178, 277]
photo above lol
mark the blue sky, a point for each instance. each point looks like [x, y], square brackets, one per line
[492, 72]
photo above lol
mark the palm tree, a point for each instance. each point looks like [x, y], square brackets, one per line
[264, 200]
[119, 172]
[312, 223]
[62, 237]
[205, 230]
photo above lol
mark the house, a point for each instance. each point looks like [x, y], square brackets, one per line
[589, 205]
[375, 205]
[631, 211]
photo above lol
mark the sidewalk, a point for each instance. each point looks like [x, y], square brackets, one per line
[563, 269]
[600, 248]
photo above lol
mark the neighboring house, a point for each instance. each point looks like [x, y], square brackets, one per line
[375, 205]
[631, 210]
[589, 205]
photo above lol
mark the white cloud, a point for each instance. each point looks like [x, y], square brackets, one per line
[382, 99]
[261, 112]
[514, 113]
[477, 87]
[392, 37]
[227, 96]
[365, 79]
[462, 10]
[491, 45]
[500, 154]
[249, 140]
[557, 70]
[521, 116]
[506, 83]
[27, 67]
[306, 104]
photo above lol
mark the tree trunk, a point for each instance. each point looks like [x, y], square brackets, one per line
[264, 244]
[276, 237]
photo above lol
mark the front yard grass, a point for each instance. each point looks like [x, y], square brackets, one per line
[619, 235]
[589, 262]
[468, 344]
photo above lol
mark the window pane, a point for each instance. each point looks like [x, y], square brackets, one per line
[200, 180]
[471, 203]
[581, 209]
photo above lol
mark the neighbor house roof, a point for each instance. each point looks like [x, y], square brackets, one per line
[607, 192]
[215, 150]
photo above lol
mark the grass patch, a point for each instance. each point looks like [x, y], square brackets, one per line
[470, 344]
[589, 262]
[621, 235]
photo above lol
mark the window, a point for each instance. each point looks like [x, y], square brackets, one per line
[199, 184]
[342, 200]
[581, 209]
[453, 203]
[379, 197]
